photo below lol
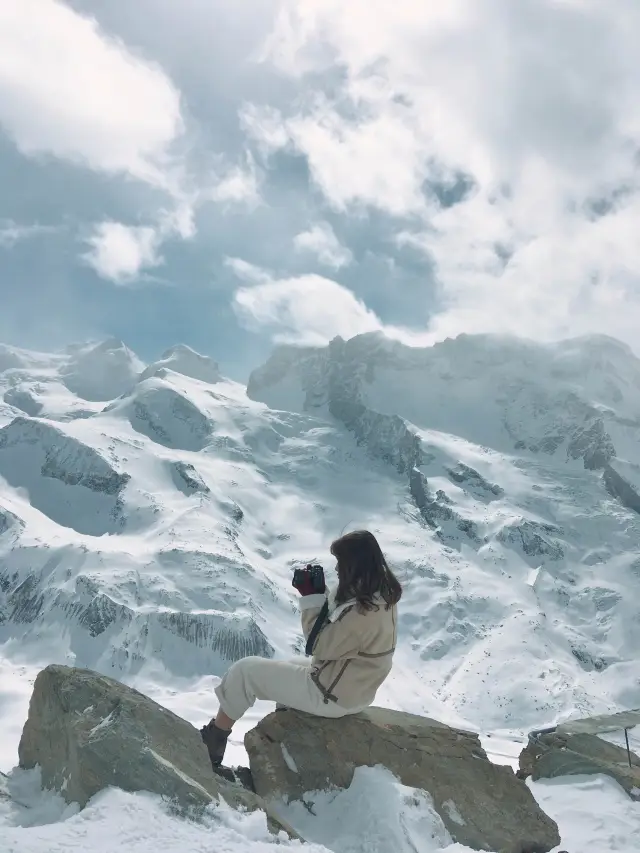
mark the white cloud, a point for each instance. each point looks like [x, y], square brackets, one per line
[534, 102]
[307, 310]
[265, 125]
[120, 252]
[248, 272]
[13, 232]
[321, 240]
[239, 185]
[69, 89]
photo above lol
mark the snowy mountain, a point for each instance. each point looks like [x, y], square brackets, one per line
[151, 517]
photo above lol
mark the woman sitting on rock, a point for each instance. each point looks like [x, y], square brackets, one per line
[351, 637]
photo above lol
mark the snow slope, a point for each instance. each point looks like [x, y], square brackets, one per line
[151, 518]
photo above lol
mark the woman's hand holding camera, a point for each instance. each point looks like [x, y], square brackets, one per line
[310, 580]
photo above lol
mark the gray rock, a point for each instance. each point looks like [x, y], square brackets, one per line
[9, 521]
[187, 479]
[593, 444]
[88, 732]
[533, 538]
[482, 805]
[621, 489]
[386, 437]
[588, 661]
[437, 511]
[556, 754]
[470, 478]
[26, 601]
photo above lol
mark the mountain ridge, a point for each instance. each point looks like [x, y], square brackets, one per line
[518, 560]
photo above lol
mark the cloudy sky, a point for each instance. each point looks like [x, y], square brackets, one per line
[230, 175]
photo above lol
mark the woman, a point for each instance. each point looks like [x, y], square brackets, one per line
[352, 646]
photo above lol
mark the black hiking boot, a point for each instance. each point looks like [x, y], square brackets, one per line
[215, 740]
[237, 776]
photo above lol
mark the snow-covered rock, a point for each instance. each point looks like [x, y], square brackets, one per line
[165, 415]
[592, 444]
[71, 482]
[43, 394]
[472, 480]
[622, 481]
[438, 513]
[536, 540]
[297, 757]
[4, 787]
[187, 479]
[559, 754]
[386, 437]
[9, 521]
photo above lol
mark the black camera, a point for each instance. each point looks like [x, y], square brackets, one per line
[312, 576]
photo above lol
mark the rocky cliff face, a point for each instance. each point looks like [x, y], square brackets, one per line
[570, 400]
[105, 621]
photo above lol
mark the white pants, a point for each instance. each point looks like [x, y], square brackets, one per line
[287, 683]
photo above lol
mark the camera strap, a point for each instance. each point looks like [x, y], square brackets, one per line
[317, 627]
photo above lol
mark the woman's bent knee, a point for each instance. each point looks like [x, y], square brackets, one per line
[245, 664]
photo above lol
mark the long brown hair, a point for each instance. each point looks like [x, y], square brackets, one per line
[363, 571]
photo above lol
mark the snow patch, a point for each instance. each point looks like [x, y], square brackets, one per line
[288, 759]
[452, 810]
[376, 814]
[103, 724]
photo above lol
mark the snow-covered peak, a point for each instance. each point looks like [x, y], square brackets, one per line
[100, 372]
[183, 359]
